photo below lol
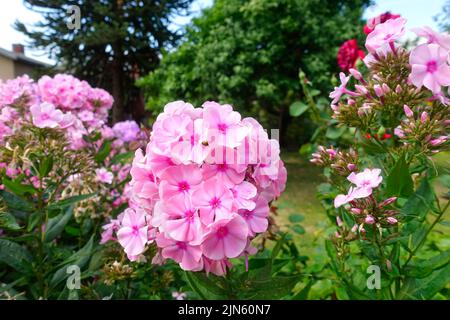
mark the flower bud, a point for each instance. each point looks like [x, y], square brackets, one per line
[386, 88]
[408, 111]
[339, 221]
[398, 89]
[399, 132]
[378, 91]
[354, 228]
[424, 116]
[369, 220]
[391, 220]
[387, 202]
[355, 210]
[351, 167]
[438, 141]
[361, 89]
[356, 74]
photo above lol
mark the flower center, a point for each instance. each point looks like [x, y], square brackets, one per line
[189, 214]
[45, 116]
[135, 230]
[221, 167]
[181, 245]
[222, 232]
[222, 127]
[183, 186]
[215, 202]
[432, 66]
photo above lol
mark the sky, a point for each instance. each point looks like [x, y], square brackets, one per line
[417, 12]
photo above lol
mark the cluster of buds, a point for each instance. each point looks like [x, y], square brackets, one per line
[342, 236]
[369, 212]
[341, 162]
[425, 128]
[117, 271]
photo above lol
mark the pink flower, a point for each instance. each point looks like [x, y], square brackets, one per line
[126, 131]
[369, 178]
[179, 295]
[104, 175]
[214, 201]
[373, 22]
[442, 39]
[243, 194]
[183, 221]
[179, 180]
[429, 67]
[227, 238]
[45, 115]
[132, 234]
[229, 174]
[385, 33]
[223, 125]
[188, 256]
[341, 90]
[257, 218]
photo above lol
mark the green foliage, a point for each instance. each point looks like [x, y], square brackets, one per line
[248, 53]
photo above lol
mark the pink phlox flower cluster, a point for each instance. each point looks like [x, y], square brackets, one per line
[364, 183]
[202, 189]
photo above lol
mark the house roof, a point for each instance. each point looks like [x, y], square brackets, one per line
[20, 57]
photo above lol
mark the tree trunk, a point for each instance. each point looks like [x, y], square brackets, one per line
[118, 112]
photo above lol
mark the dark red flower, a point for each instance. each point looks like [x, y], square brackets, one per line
[348, 54]
[382, 18]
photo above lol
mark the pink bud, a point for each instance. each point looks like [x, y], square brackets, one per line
[378, 91]
[356, 74]
[339, 221]
[399, 132]
[386, 88]
[438, 141]
[388, 201]
[337, 234]
[361, 89]
[355, 210]
[354, 228]
[331, 152]
[369, 220]
[391, 220]
[424, 116]
[351, 102]
[398, 89]
[408, 111]
[351, 167]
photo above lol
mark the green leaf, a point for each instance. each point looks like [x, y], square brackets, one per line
[205, 286]
[103, 152]
[69, 201]
[425, 288]
[45, 166]
[399, 182]
[303, 294]
[7, 221]
[122, 157]
[79, 258]
[420, 202]
[276, 250]
[294, 218]
[423, 268]
[273, 288]
[298, 108]
[334, 132]
[298, 229]
[16, 203]
[56, 224]
[15, 256]
[17, 187]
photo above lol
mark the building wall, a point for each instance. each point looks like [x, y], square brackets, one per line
[6, 68]
[22, 68]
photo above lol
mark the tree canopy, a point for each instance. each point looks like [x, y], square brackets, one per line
[248, 53]
[117, 41]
